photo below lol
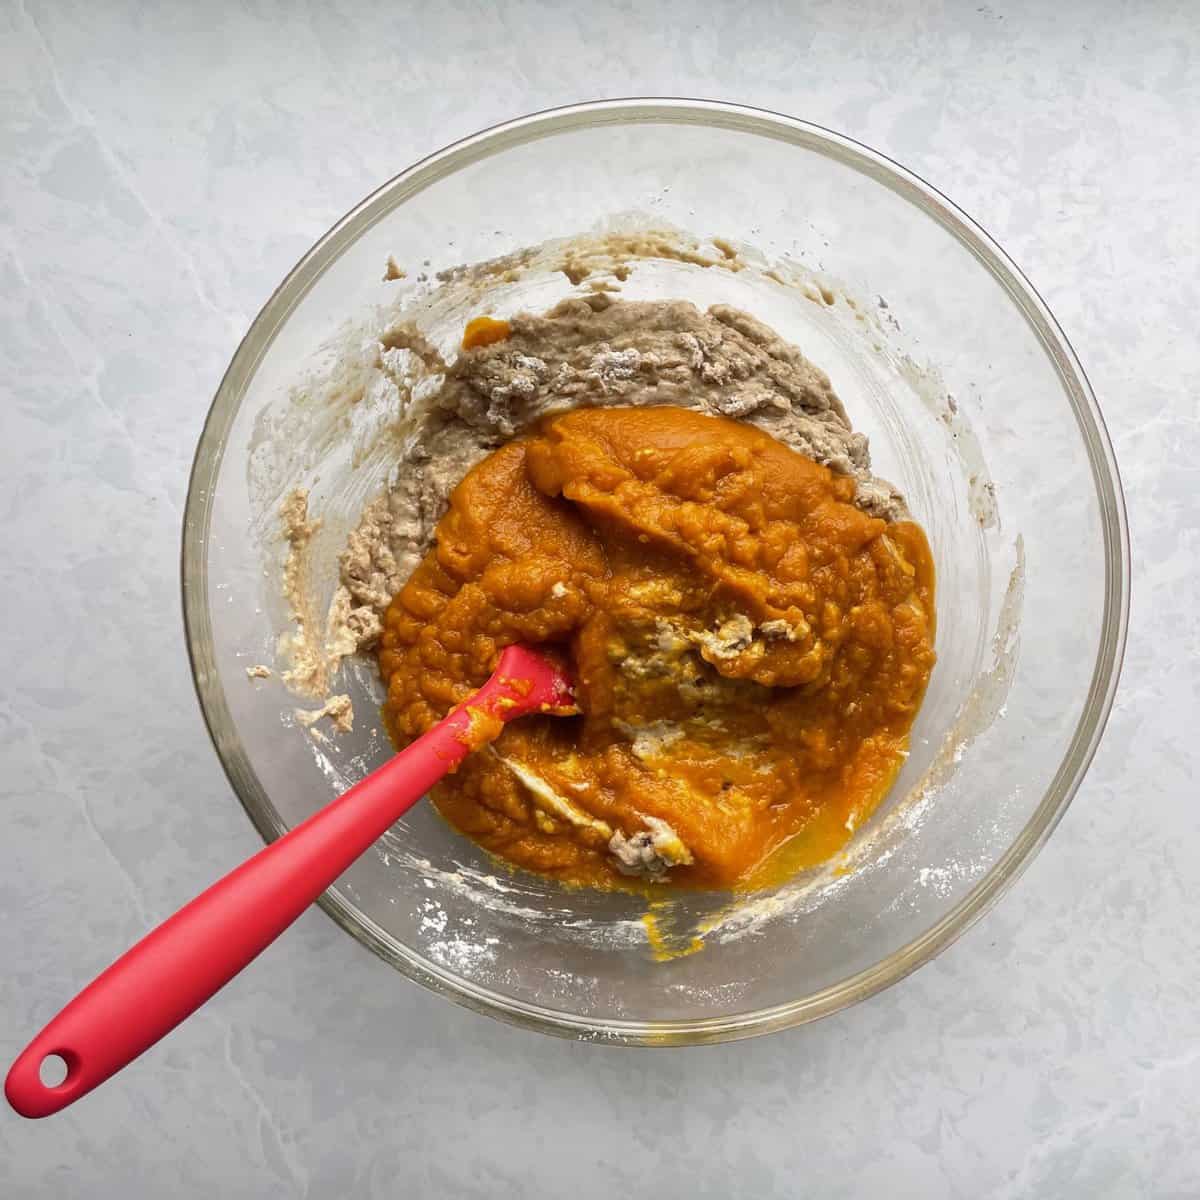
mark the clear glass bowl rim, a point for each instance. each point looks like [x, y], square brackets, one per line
[1003, 874]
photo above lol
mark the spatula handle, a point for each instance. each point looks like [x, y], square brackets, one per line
[174, 969]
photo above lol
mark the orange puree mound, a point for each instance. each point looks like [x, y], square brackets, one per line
[750, 648]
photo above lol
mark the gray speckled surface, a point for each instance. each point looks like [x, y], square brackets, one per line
[161, 171]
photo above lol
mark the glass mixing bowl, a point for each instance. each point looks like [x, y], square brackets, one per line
[975, 406]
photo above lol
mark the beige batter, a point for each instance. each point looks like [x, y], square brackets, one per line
[589, 352]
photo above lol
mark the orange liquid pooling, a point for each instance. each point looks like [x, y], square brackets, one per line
[750, 649]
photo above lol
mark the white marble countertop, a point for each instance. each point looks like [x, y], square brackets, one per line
[161, 168]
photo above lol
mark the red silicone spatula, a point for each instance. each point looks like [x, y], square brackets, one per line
[173, 970]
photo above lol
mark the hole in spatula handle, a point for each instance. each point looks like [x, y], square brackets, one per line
[54, 1071]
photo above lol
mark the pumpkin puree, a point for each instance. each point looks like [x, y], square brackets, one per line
[750, 649]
